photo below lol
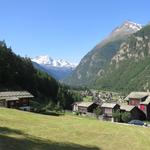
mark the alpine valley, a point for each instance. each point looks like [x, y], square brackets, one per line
[57, 68]
[121, 62]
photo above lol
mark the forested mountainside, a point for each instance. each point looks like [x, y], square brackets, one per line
[18, 73]
[92, 65]
[129, 69]
[119, 65]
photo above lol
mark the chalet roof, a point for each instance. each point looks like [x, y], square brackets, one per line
[109, 105]
[127, 107]
[14, 95]
[12, 98]
[137, 95]
[147, 101]
[85, 104]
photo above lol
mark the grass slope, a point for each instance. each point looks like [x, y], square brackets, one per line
[27, 131]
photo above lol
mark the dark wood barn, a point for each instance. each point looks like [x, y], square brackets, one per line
[84, 107]
[135, 112]
[108, 109]
[141, 100]
[16, 99]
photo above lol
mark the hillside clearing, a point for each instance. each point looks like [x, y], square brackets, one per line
[28, 131]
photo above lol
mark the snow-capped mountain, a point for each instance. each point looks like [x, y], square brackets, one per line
[124, 30]
[93, 64]
[46, 60]
[58, 68]
[128, 27]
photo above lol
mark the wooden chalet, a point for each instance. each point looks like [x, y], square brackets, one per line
[135, 112]
[145, 107]
[16, 99]
[84, 107]
[134, 98]
[108, 109]
[141, 100]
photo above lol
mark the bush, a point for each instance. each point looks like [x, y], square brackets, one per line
[117, 115]
[77, 113]
[97, 111]
[126, 117]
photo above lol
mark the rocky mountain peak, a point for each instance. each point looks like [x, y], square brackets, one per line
[120, 32]
[127, 27]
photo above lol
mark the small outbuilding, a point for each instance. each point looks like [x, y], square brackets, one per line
[134, 111]
[16, 99]
[108, 109]
[84, 107]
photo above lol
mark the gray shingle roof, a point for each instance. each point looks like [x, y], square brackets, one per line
[137, 95]
[147, 101]
[12, 98]
[127, 107]
[14, 95]
[85, 104]
[109, 105]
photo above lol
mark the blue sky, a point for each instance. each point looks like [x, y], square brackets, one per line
[65, 29]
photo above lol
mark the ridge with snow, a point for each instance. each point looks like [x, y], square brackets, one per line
[58, 68]
[46, 60]
[128, 27]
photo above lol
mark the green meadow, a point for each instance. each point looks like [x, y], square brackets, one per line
[21, 130]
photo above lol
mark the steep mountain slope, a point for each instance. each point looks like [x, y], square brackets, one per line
[92, 65]
[129, 69]
[59, 69]
[18, 73]
[39, 67]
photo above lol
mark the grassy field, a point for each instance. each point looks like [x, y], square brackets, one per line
[28, 131]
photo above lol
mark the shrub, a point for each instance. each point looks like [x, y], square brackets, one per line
[97, 111]
[126, 117]
[117, 115]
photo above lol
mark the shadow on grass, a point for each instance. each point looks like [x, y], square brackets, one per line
[11, 139]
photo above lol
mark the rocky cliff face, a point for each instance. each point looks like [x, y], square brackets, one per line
[127, 49]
